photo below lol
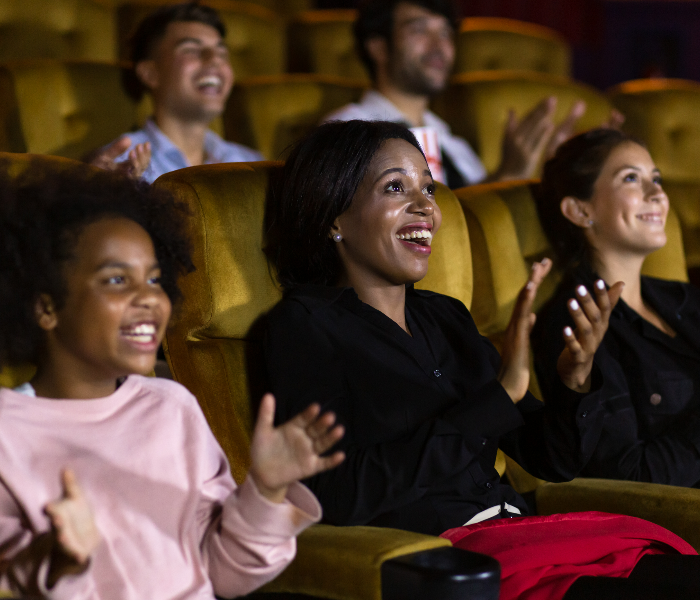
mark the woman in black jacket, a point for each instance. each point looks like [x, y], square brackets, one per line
[425, 400]
[603, 207]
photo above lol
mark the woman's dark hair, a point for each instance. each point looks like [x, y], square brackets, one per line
[376, 19]
[42, 213]
[152, 29]
[573, 171]
[317, 185]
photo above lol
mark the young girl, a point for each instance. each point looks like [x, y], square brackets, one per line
[111, 483]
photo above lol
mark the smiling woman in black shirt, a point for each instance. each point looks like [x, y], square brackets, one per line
[603, 207]
[425, 400]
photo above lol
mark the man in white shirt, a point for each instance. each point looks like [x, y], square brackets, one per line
[408, 48]
[180, 58]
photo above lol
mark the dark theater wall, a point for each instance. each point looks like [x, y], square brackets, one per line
[614, 40]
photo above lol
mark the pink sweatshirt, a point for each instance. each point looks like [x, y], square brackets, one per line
[173, 523]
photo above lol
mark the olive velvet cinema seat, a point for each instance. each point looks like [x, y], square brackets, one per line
[213, 346]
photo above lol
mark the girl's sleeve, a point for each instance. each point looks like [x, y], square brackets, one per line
[247, 540]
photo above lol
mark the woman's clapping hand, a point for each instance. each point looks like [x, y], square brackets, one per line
[591, 322]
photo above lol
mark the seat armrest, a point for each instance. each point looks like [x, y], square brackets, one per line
[675, 508]
[345, 563]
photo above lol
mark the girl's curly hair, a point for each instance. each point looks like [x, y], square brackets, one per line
[42, 213]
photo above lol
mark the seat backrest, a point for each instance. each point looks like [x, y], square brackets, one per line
[476, 105]
[255, 35]
[213, 343]
[271, 112]
[322, 41]
[664, 113]
[68, 108]
[488, 43]
[57, 29]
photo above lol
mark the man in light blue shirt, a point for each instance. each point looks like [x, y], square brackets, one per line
[181, 60]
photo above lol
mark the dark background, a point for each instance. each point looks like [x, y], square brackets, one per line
[612, 40]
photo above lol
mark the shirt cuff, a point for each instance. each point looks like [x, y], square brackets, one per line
[285, 519]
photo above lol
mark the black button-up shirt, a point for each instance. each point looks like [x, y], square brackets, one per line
[424, 414]
[651, 428]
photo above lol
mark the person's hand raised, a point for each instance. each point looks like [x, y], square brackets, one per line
[591, 321]
[514, 374]
[74, 527]
[285, 454]
[525, 141]
[134, 166]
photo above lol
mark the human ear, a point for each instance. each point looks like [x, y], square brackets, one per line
[45, 312]
[335, 231]
[577, 211]
[147, 73]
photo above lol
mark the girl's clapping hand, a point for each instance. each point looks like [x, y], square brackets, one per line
[285, 454]
[76, 534]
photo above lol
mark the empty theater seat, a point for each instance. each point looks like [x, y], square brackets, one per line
[57, 29]
[486, 43]
[665, 114]
[269, 113]
[322, 41]
[68, 108]
[476, 105]
[255, 35]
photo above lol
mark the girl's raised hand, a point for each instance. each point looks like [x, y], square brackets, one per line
[591, 321]
[285, 454]
[74, 527]
[514, 375]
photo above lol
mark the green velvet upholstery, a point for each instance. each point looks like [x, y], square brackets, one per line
[664, 114]
[476, 105]
[57, 29]
[68, 108]
[488, 43]
[213, 348]
[255, 34]
[676, 508]
[269, 113]
[322, 41]
[341, 554]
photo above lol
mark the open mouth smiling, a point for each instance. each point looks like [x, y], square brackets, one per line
[210, 83]
[140, 333]
[416, 236]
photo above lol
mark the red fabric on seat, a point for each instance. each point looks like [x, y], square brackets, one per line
[542, 556]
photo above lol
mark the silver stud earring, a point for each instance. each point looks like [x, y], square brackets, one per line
[589, 222]
[337, 237]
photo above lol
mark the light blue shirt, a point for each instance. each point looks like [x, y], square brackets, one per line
[166, 156]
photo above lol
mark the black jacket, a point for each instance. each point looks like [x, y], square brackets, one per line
[651, 428]
[424, 415]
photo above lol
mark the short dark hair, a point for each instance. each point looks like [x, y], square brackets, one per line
[152, 29]
[317, 185]
[376, 19]
[42, 213]
[573, 171]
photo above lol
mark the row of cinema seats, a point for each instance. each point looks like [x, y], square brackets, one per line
[266, 37]
[69, 108]
[489, 235]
